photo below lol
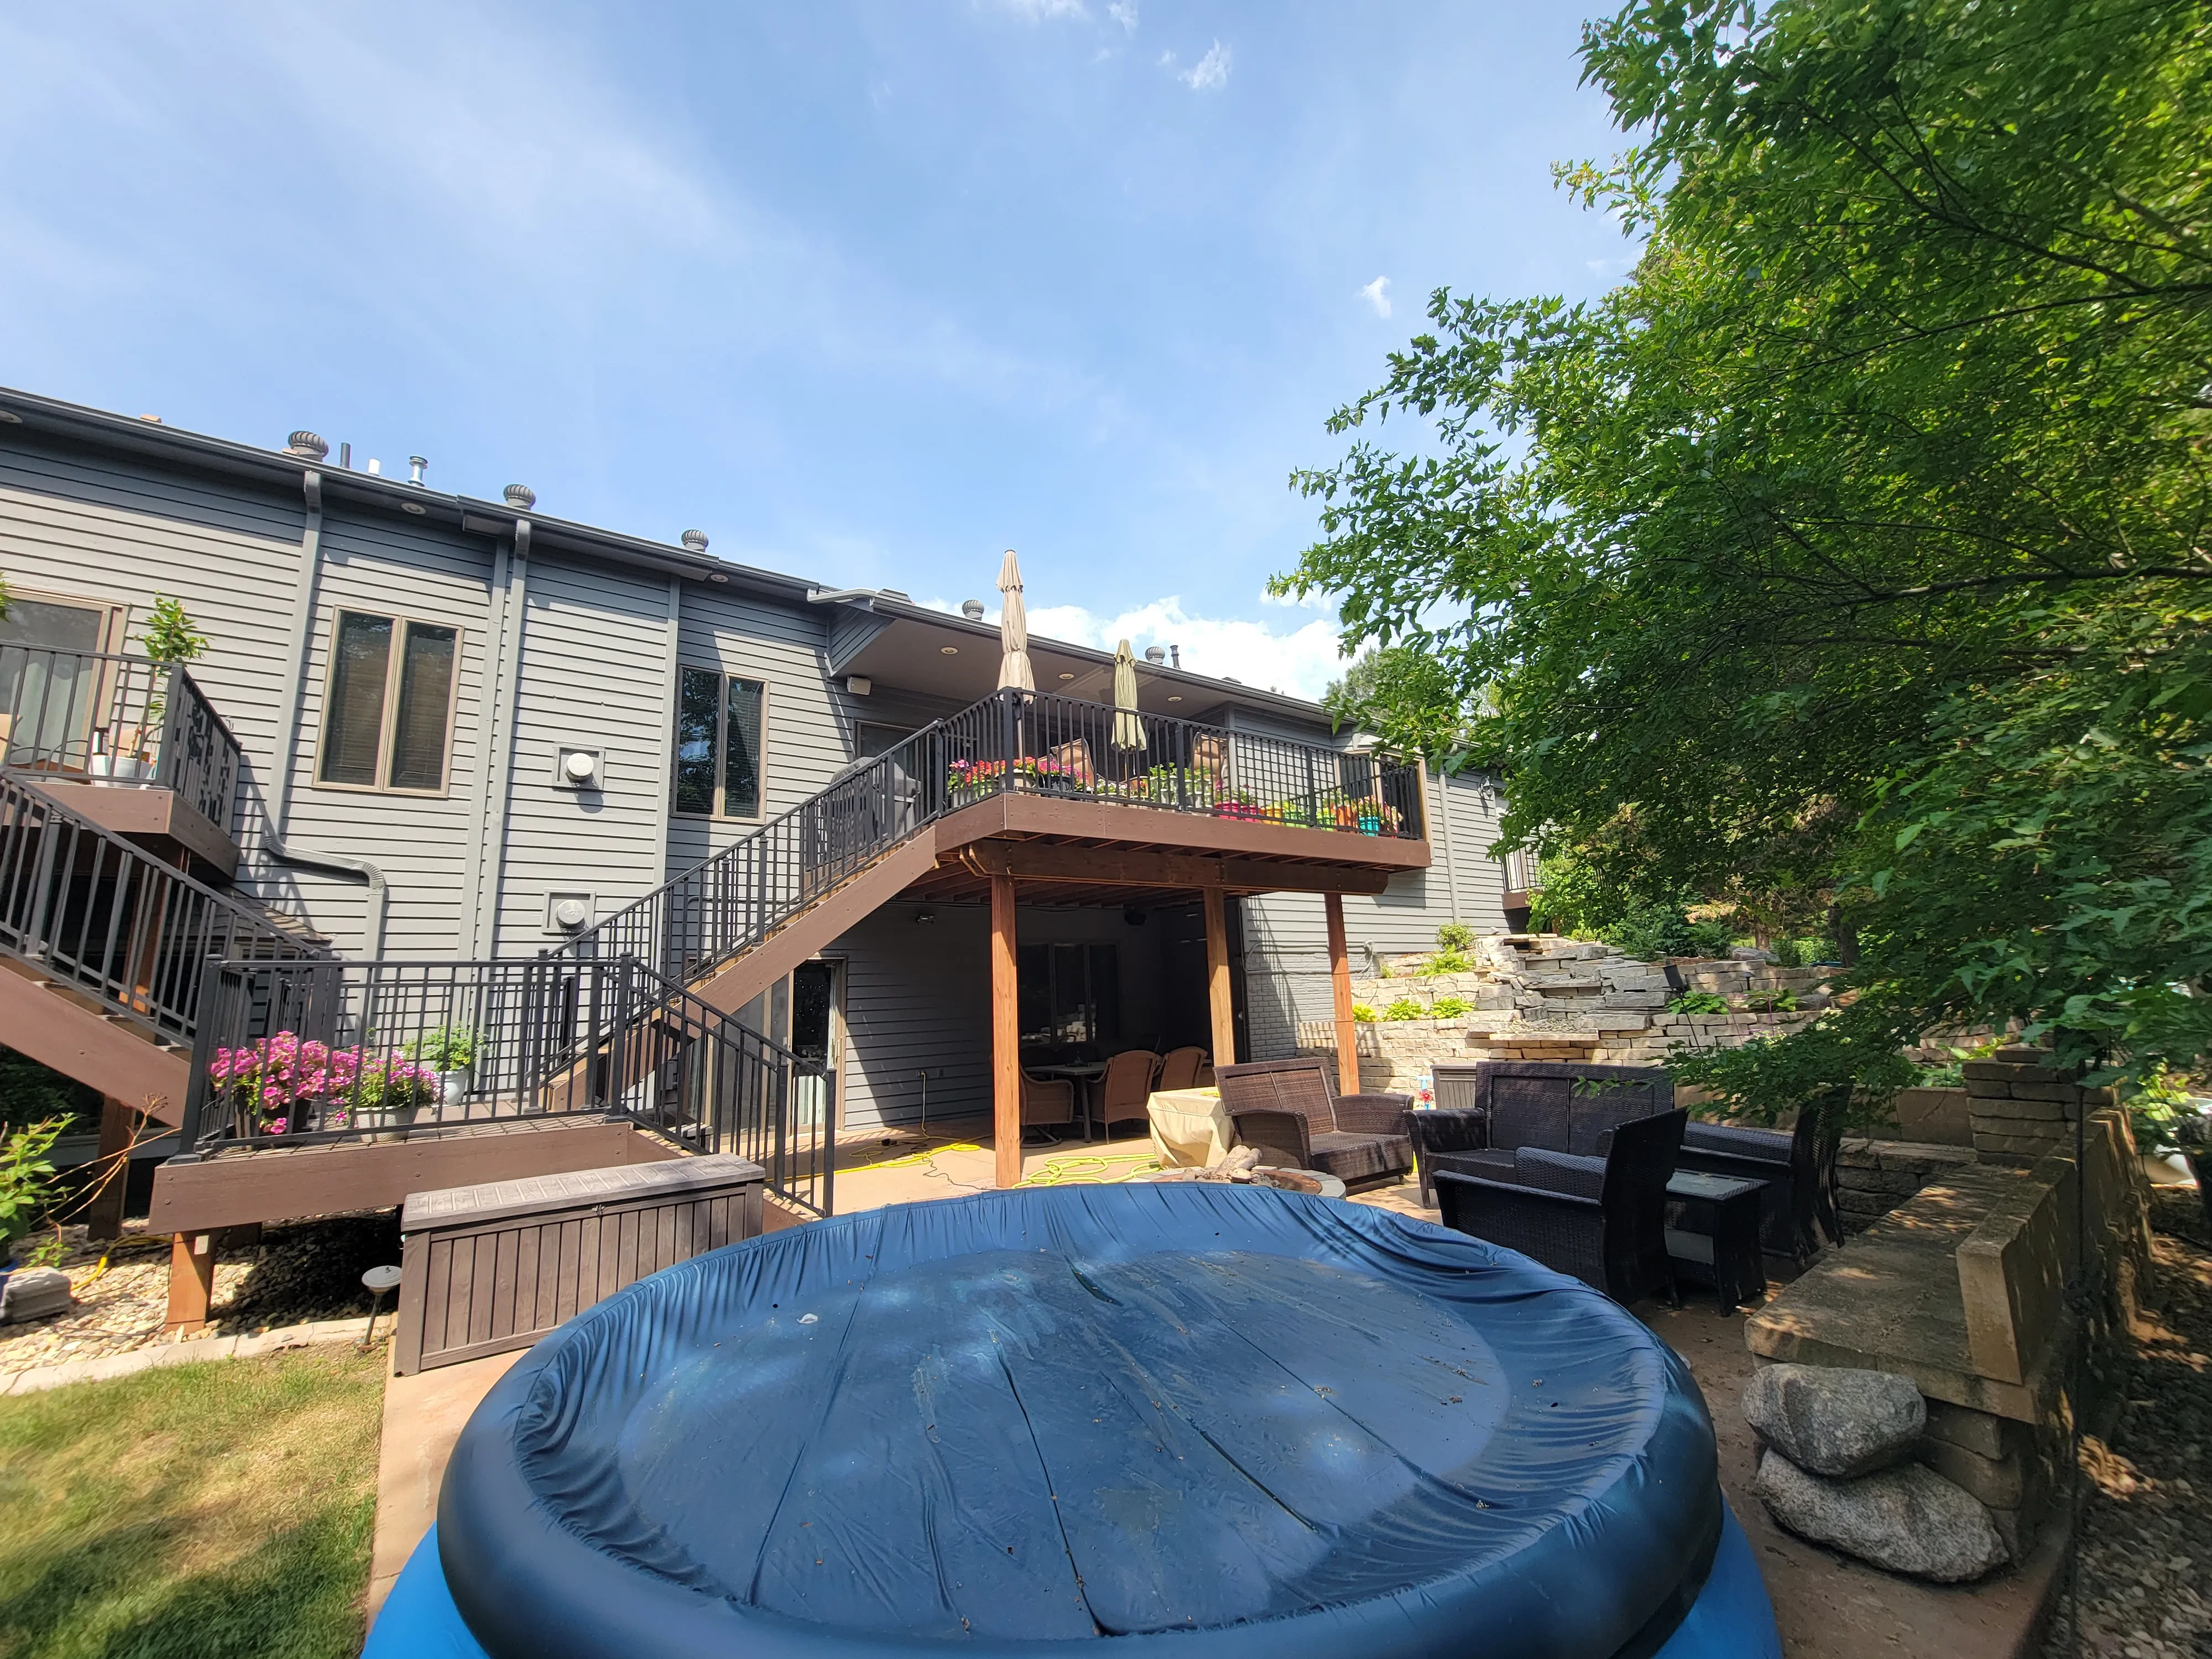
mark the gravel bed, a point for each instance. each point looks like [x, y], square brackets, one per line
[2145, 1574]
[311, 1270]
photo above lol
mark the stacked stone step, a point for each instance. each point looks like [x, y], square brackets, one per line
[2024, 1108]
[1875, 1176]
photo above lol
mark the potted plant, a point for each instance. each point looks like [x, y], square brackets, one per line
[391, 1089]
[449, 1054]
[169, 640]
[284, 1085]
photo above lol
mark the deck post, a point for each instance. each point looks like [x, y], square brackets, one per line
[103, 1217]
[191, 1283]
[1217, 979]
[1339, 982]
[1006, 1037]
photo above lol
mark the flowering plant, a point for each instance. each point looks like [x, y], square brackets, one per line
[280, 1077]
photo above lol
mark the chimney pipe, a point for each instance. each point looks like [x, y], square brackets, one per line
[1175, 655]
[416, 463]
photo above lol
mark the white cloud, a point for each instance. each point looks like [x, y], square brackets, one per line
[1209, 74]
[1039, 11]
[1377, 294]
[1124, 12]
[1299, 663]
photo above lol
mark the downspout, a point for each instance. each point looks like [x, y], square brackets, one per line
[1443, 823]
[499, 761]
[288, 730]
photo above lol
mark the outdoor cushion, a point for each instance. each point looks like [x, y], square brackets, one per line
[1355, 1158]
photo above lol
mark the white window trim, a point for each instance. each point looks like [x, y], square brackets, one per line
[400, 621]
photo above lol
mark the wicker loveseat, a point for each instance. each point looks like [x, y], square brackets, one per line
[1287, 1109]
[1487, 1109]
[1602, 1219]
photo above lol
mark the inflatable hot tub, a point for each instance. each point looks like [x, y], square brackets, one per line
[1190, 1420]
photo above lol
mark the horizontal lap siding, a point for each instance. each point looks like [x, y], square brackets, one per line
[917, 997]
[1287, 935]
[594, 674]
[809, 721]
[89, 528]
[389, 566]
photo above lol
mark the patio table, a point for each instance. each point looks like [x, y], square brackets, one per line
[1726, 1245]
[1191, 1127]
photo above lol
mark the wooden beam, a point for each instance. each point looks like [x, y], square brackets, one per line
[1340, 981]
[118, 1126]
[1191, 832]
[1006, 1036]
[1117, 867]
[191, 1283]
[1217, 979]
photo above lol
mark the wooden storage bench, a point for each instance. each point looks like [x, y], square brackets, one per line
[489, 1268]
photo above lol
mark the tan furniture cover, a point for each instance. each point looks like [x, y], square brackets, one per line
[1191, 1128]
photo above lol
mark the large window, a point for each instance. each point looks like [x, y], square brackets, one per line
[718, 744]
[389, 712]
[1069, 993]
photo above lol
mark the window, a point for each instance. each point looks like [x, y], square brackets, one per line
[1069, 993]
[718, 744]
[390, 707]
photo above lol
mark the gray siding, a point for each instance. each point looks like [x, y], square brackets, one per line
[1287, 935]
[391, 567]
[593, 673]
[917, 997]
[808, 729]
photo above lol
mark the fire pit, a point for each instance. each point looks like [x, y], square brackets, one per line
[1287, 1181]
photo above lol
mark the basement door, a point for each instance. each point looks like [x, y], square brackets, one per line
[815, 988]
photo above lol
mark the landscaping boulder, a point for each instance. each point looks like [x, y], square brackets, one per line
[35, 1293]
[1908, 1519]
[1834, 1422]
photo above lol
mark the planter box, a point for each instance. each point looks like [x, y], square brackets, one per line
[490, 1268]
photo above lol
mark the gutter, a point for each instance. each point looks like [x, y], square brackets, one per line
[287, 730]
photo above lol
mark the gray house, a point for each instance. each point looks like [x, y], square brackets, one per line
[431, 729]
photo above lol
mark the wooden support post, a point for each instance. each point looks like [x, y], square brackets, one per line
[191, 1283]
[1339, 981]
[1217, 979]
[1006, 1036]
[103, 1217]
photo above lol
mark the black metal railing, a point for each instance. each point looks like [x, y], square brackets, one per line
[304, 1054]
[1012, 742]
[117, 719]
[89, 909]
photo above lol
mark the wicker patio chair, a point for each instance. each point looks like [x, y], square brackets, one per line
[1047, 1103]
[1797, 1210]
[1127, 1087]
[1493, 1106]
[1602, 1219]
[1287, 1109]
[1179, 1068]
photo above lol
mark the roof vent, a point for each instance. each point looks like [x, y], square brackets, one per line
[972, 609]
[307, 444]
[520, 495]
[1155, 653]
[893, 593]
[695, 539]
[415, 466]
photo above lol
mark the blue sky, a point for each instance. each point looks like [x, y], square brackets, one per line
[867, 291]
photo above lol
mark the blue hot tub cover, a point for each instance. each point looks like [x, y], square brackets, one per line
[1203, 1420]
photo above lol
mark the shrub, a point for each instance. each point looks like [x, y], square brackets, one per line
[1362, 1013]
[1405, 1008]
[1453, 1007]
[27, 1175]
[1699, 1002]
[1455, 936]
[1445, 962]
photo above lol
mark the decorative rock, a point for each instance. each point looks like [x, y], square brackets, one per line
[1835, 1422]
[35, 1293]
[1910, 1520]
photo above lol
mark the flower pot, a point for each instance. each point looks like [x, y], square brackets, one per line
[453, 1087]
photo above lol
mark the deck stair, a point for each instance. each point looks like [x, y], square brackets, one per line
[104, 948]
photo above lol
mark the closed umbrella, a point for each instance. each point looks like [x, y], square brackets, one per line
[1013, 630]
[1128, 728]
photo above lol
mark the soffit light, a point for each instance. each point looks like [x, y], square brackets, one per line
[416, 507]
[1067, 676]
[1176, 699]
[948, 650]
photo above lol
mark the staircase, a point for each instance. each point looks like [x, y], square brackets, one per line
[104, 948]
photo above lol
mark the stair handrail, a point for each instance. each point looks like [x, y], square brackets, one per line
[1011, 742]
[99, 912]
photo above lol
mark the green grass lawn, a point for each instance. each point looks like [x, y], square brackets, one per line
[215, 1510]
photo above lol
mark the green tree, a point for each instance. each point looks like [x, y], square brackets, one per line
[1809, 552]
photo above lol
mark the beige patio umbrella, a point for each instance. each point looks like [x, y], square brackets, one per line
[1013, 630]
[1128, 729]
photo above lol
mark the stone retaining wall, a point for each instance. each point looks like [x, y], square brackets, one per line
[1878, 1176]
[2022, 1107]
